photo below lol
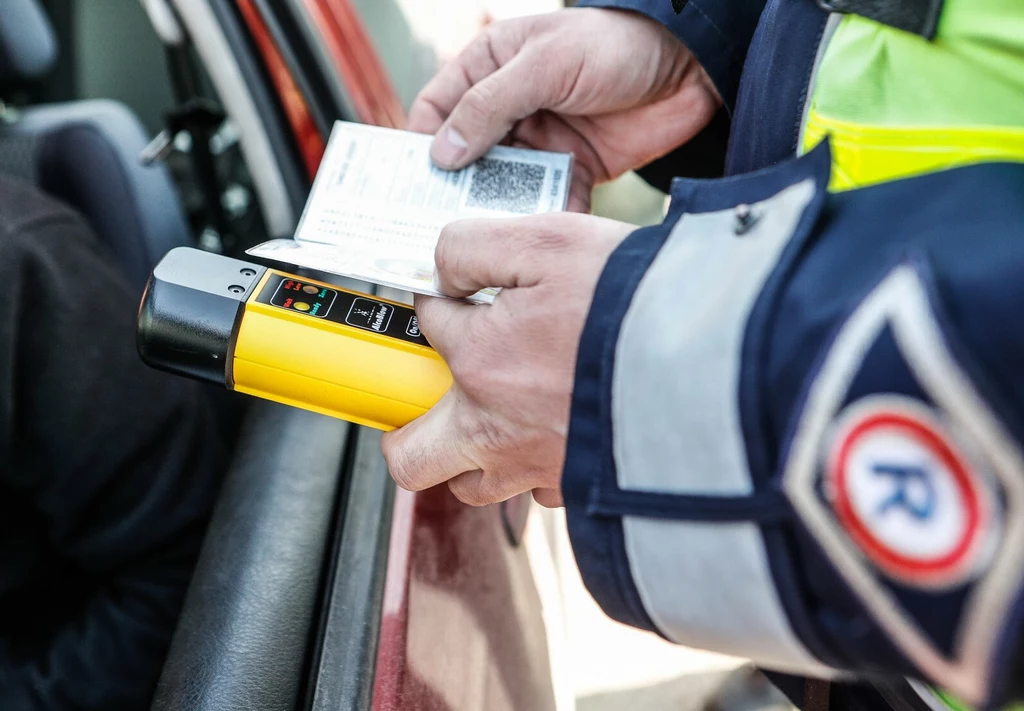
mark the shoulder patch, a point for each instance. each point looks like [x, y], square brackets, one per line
[908, 498]
[912, 487]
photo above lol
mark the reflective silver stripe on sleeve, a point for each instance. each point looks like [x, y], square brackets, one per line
[677, 430]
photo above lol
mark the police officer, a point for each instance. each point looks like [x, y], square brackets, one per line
[788, 423]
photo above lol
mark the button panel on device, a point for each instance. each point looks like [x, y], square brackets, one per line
[356, 310]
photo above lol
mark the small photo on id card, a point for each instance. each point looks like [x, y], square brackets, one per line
[378, 204]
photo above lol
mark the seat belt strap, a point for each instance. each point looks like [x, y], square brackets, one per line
[918, 16]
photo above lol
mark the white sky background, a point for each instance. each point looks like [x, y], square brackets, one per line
[449, 24]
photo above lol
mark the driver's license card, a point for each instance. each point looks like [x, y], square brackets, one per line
[378, 204]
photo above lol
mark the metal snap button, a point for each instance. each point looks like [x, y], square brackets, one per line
[746, 218]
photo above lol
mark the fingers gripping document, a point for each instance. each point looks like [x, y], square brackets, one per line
[378, 204]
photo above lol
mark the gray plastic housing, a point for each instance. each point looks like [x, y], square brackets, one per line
[190, 313]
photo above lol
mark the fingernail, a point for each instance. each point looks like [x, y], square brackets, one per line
[449, 148]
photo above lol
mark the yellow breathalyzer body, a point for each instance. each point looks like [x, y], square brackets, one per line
[289, 339]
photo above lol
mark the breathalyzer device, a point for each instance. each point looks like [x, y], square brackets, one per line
[289, 339]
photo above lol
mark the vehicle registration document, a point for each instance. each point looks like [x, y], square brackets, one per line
[378, 204]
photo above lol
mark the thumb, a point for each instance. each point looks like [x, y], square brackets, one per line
[474, 254]
[486, 113]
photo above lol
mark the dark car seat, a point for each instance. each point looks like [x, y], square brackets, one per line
[86, 153]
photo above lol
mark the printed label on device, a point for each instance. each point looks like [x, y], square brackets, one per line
[359, 311]
[305, 298]
[371, 315]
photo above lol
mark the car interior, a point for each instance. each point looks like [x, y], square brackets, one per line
[86, 153]
[260, 627]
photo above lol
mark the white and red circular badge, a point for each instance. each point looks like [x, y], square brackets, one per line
[905, 494]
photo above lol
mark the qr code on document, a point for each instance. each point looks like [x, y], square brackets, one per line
[506, 185]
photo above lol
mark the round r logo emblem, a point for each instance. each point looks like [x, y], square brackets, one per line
[906, 496]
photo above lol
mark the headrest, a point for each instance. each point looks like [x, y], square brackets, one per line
[28, 47]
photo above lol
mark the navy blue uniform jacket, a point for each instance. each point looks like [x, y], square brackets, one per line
[797, 428]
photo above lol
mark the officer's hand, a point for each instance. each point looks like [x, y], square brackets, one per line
[614, 88]
[501, 428]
